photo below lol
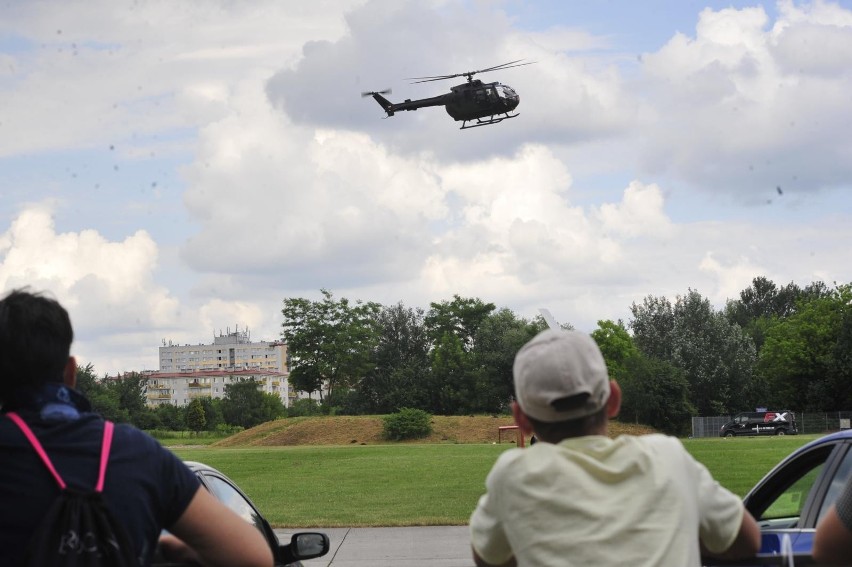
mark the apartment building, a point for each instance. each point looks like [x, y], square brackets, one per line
[180, 388]
[229, 351]
[203, 370]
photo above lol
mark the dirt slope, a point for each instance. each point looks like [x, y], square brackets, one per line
[367, 430]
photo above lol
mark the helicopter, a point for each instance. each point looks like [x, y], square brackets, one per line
[486, 103]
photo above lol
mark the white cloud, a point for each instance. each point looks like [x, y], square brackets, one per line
[235, 314]
[128, 70]
[288, 181]
[743, 107]
[640, 212]
[275, 198]
[107, 287]
[730, 279]
[564, 97]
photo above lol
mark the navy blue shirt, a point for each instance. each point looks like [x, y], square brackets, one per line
[147, 487]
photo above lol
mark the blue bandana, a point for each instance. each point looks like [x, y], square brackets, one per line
[53, 401]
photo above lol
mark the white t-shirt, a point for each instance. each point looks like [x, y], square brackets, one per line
[599, 501]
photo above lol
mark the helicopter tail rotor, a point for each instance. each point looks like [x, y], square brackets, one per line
[371, 93]
[383, 102]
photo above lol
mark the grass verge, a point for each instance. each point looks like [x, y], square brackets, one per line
[386, 485]
[740, 462]
[420, 484]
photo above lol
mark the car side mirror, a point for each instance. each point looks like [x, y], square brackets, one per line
[306, 545]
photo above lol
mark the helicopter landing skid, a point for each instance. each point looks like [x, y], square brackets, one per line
[493, 120]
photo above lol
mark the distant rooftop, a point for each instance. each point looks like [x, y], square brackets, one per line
[237, 337]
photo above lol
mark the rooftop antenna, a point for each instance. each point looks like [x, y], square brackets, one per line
[549, 319]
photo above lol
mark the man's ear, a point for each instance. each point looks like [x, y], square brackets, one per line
[69, 374]
[521, 419]
[613, 405]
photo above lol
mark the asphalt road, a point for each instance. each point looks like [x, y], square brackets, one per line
[438, 546]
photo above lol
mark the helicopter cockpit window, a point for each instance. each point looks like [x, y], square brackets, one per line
[506, 92]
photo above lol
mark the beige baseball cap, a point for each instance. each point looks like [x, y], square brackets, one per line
[560, 375]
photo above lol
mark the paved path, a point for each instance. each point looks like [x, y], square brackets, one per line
[439, 546]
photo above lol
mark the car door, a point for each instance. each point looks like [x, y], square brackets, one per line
[230, 495]
[793, 497]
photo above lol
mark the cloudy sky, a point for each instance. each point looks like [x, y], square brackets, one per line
[172, 169]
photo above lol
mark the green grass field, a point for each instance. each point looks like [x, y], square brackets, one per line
[410, 485]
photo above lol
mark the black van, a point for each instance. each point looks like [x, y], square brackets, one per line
[781, 422]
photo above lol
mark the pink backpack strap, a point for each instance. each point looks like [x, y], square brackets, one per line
[105, 448]
[37, 446]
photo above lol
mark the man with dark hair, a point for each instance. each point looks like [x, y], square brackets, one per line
[37, 331]
[146, 487]
[578, 497]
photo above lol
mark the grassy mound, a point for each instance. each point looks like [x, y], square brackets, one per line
[367, 430]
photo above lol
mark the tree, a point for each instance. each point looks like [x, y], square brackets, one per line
[303, 407]
[329, 342]
[499, 337]
[212, 412]
[763, 303]
[716, 357]
[129, 391]
[400, 359]
[616, 345]
[245, 405]
[104, 400]
[460, 317]
[170, 416]
[450, 381]
[655, 393]
[653, 325]
[195, 418]
[452, 328]
[803, 358]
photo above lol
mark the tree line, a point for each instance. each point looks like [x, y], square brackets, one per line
[779, 346]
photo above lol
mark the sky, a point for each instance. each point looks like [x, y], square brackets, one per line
[171, 170]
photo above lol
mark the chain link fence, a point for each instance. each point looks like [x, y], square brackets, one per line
[808, 423]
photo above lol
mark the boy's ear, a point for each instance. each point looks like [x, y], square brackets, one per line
[521, 419]
[69, 374]
[613, 405]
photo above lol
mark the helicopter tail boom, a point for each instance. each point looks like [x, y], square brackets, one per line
[384, 103]
[408, 104]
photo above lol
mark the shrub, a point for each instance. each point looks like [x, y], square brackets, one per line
[228, 430]
[407, 423]
[304, 407]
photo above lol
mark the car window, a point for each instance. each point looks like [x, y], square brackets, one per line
[780, 502]
[232, 498]
[837, 484]
[790, 502]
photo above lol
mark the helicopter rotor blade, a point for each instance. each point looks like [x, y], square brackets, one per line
[430, 79]
[509, 65]
[371, 93]
[495, 67]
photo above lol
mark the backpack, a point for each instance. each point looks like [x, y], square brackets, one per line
[78, 529]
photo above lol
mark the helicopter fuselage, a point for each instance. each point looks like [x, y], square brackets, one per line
[473, 100]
